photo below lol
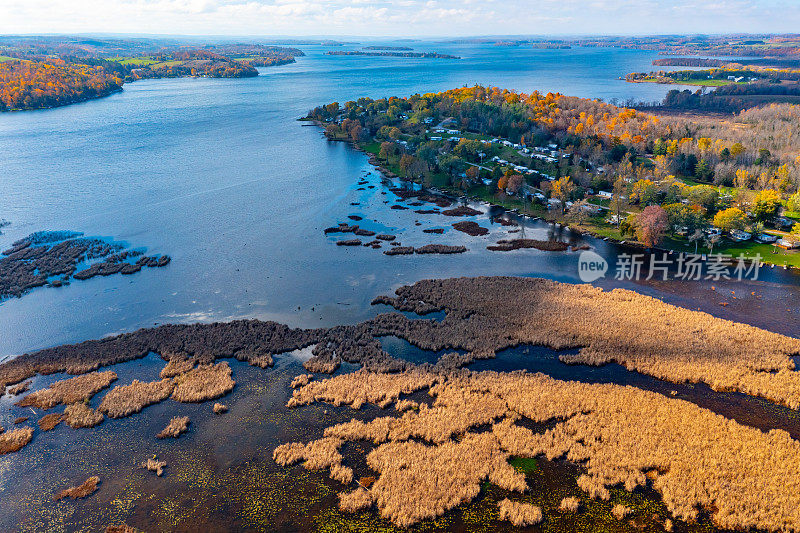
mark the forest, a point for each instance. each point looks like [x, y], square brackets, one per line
[39, 84]
[44, 72]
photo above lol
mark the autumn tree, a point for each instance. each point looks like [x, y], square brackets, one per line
[644, 192]
[766, 204]
[514, 183]
[562, 190]
[730, 219]
[651, 225]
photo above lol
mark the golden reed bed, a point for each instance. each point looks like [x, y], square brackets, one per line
[431, 460]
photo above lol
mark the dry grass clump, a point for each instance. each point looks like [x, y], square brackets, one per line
[205, 382]
[357, 500]
[342, 474]
[437, 478]
[375, 388]
[80, 415]
[15, 439]
[177, 365]
[154, 465]
[433, 460]
[220, 408]
[519, 514]
[124, 400]
[301, 380]
[570, 504]
[620, 511]
[81, 491]
[639, 332]
[19, 388]
[67, 391]
[177, 425]
[50, 421]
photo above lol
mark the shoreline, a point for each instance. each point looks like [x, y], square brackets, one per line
[521, 211]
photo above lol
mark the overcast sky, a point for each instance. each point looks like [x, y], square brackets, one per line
[399, 17]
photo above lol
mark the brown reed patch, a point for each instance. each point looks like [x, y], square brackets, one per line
[431, 461]
[177, 425]
[124, 400]
[81, 491]
[177, 365]
[15, 439]
[154, 465]
[641, 333]
[220, 408]
[470, 228]
[205, 382]
[301, 380]
[357, 500]
[20, 420]
[80, 415]
[519, 514]
[50, 421]
[507, 245]
[570, 504]
[67, 391]
[19, 388]
[620, 511]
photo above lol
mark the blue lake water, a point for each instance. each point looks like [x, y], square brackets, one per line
[220, 175]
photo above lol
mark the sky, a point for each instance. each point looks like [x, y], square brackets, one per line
[399, 18]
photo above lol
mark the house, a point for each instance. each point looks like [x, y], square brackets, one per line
[552, 146]
[591, 209]
[428, 120]
[714, 231]
[605, 195]
[766, 238]
[436, 138]
[739, 235]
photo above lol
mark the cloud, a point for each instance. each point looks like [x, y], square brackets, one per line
[400, 18]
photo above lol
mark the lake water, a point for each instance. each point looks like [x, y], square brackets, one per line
[220, 175]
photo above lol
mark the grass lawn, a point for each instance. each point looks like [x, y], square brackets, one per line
[7, 58]
[748, 249]
[135, 61]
